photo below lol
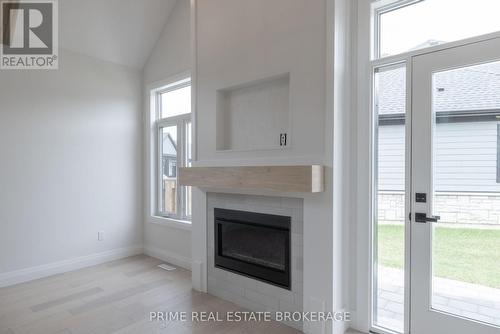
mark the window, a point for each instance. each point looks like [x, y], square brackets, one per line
[389, 196]
[467, 142]
[175, 102]
[408, 25]
[173, 136]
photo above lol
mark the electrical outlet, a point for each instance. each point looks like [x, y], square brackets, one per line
[100, 235]
[282, 139]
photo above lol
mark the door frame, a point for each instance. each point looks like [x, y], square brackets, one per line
[423, 179]
[362, 298]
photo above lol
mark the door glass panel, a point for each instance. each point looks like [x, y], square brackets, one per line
[389, 195]
[466, 241]
[168, 173]
[426, 23]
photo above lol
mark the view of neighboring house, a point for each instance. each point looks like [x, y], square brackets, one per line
[169, 157]
[467, 135]
[466, 177]
[169, 170]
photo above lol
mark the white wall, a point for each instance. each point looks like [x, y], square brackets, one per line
[172, 52]
[70, 148]
[343, 138]
[171, 56]
[241, 42]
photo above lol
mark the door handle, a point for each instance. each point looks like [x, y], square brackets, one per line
[422, 218]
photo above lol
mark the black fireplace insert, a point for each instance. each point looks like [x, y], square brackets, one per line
[254, 244]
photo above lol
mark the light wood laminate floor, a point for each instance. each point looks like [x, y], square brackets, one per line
[116, 297]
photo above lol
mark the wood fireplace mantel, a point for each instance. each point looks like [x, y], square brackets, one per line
[306, 179]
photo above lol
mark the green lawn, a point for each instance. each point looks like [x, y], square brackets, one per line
[468, 255]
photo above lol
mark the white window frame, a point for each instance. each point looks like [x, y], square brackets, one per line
[498, 150]
[368, 13]
[180, 219]
[381, 7]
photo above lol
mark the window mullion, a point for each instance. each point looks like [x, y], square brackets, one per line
[180, 154]
[159, 172]
[183, 164]
[498, 150]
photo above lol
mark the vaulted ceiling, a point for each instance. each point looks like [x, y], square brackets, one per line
[120, 31]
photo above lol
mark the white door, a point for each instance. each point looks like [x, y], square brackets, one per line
[455, 264]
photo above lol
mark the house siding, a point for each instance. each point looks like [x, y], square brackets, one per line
[465, 160]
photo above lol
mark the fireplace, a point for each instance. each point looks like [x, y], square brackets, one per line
[253, 244]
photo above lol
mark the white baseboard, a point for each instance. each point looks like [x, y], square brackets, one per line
[170, 257]
[32, 273]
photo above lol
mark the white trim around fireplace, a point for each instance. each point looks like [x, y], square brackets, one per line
[249, 292]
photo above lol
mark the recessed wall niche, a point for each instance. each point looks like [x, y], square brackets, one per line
[255, 115]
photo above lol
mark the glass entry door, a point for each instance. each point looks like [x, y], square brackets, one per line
[455, 191]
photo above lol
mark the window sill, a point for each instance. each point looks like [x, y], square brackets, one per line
[170, 222]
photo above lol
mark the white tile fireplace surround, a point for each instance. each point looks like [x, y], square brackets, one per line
[247, 292]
